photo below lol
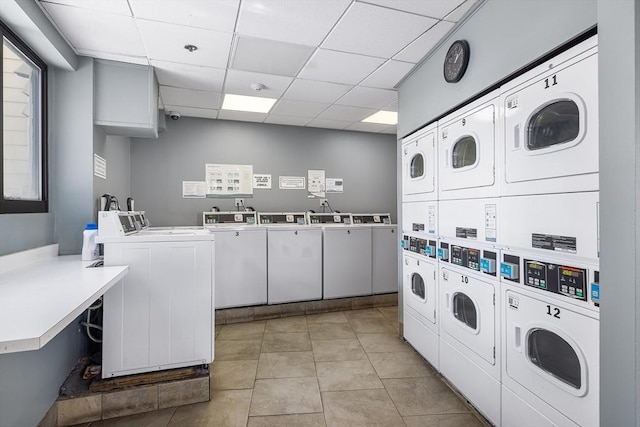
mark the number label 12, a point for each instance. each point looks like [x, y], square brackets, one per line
[553, 311]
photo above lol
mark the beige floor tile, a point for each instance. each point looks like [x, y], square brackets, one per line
[287, 324]
[228, 408]
[233, 374]
[290, 341]
[337, 350]
[347, 375]
[330, 331]
[371, 326]
[283, 396]
[400, 364]
[367, 313]
[295, 420]
[360, 408]
[423, 396]
[336, 317]
[247, 349]
[159, 418]
[448, 420]
[287, 364]
[390, 313]
[382, 343]
[241, 331]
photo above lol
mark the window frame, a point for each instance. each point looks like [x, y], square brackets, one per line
[9, 206]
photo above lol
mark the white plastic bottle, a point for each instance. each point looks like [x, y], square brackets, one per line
[89, 245]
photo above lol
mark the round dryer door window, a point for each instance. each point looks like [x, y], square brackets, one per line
[465, 310]
[464, 152]
[555, 123]
[417, 166]
[551, 353]
[417, 286]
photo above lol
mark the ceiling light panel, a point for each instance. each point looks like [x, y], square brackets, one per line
[253, 104]
[302, 22]
[215, 15]
[239, 82]
[339, 67]
[242, 116]
[432, 8]
[118, 7]
[342, 112]
[457, 14]
[365, 30]
[97, 31]
[368, 97]
[419, 48]
[287, 120]
[165, 42]
[189, 76]
[270, 57]
[383, 117]
[189, 97]
[312, 90]
[388, 75]
[203, 113]
[328, 124]
[298, 108]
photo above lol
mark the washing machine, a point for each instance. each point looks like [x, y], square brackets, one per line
[346, 255]
[241, 258]
[550, 336]
[160, 316]
[384, 251]
[294, 257]
[550, 125]
[470, 322]
[467, 152]
[420, 297]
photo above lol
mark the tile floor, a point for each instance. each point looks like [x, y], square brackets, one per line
[346, 368]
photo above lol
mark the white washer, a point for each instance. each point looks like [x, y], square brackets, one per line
[384, 251]
[241, 258]
[294, 257]
[467, 152]
[470, 321]
[160, 316]
[551, 341]
[551, 125]
[420, 298]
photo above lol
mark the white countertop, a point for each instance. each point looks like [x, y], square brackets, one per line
[41, 296]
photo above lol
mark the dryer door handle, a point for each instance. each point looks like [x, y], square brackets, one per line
[517, 342]
[516, 137]
[446, 298]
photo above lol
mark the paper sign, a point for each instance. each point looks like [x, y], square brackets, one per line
[292, 183]
[316, 183]
[229, 180]
[262, 181]
[193, 189]
[335, 185]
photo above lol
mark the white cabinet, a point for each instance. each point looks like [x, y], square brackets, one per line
[384, 254]
[347, 261]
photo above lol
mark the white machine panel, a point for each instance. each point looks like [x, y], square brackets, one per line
[346, 261]
[472, 219]
[241, 266]
[419, 166]
[551, 125]
[384, 256]
[420, 286]
[294, 264]
[467, 151]
[420, 217]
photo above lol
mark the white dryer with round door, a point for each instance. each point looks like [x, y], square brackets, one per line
[550, 339]
[469, 323]
[550, 124]
[420, 297]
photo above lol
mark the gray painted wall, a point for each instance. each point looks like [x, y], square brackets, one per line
[116, 151]
[619, 77]
[366, 162]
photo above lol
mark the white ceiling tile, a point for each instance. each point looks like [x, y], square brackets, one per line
[270, 57]
[165, 42]
[391, 107]
[140, 60]
[419, 48]
[367, 127]
[287, 120]
[315, 91]
[242, 116]
[298, 108]
[239, 83]
[433, 8]
[97, 31]
[203, 113]
[328, 124]
[365, 30]
[387, 76]
[303, 22]
[119, 7]
[342, 112]
[368, 97]
[339, 67]
[190, 98]
[391, 130]
[457, 14]
[189, 76]
[218, 15]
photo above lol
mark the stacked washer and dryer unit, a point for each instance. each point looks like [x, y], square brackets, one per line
[511, 316]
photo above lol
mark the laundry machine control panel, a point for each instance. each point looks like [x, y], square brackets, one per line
[329, 218]
[420, 246]
[471, 258]
[373, 219]
[290, 218]
[228, 218]
[560, 279]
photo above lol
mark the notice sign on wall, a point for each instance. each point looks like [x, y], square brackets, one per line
[229, 180]
[193, 189]
[262, 181]
[316, 183]
[292, 183]
[335, 185]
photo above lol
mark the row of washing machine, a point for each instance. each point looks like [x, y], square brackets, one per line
[501, 245]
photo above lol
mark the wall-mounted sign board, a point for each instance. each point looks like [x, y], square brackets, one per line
[228, 180]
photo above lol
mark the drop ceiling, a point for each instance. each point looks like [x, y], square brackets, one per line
[329, 63]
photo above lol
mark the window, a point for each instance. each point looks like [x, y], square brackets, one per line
[417, 166]
[553, 354]
[465, 310]
[24, 128]
[417, 286]
[553, 124]
[464, 152]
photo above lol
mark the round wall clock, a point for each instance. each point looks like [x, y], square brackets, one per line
[456, 61]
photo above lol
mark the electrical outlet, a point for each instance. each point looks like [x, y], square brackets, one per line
[324, 202]
[239, 202]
